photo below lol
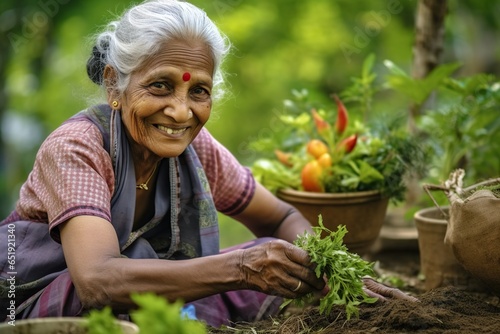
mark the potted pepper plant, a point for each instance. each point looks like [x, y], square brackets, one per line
[329, 162]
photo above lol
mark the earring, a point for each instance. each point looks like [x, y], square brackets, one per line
[114, 104]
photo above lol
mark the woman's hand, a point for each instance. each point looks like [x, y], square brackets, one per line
[279, 268]
[384, 292]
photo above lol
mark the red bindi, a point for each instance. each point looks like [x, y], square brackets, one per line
[186, 76]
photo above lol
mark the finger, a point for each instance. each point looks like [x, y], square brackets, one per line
[372, 294]
[298, 255]
[398, 294]
[300, 288]
[287, 287]
[306, 268]
[308, 277]
[386, 291]
[326, 288]
[299, 265]
[316, 283]
[297, 288]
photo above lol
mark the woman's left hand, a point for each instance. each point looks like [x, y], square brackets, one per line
[383, 292]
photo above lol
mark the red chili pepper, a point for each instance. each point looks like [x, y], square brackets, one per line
[321, 125]
[342, 116]
[283, 157]
[348, 143]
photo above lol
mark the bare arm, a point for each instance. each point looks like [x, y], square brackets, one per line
[267, 215]
[102, 277]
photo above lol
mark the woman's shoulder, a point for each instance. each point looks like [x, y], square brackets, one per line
[206, 144]
[204, 137]
[76, 131]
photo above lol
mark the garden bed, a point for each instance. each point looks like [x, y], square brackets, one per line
[442, 310]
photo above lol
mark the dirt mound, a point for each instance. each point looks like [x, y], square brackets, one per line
[444, 310]
[447, 310]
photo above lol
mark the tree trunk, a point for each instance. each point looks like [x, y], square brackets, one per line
[429, 33]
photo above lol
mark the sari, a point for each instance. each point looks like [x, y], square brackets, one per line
[184, 225]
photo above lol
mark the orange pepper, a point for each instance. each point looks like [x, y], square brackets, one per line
[316, 148]
[311, 176]
[325, 160]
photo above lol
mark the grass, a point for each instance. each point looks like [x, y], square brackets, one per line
[232, 232]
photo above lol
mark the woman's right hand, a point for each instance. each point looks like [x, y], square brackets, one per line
[279, 268]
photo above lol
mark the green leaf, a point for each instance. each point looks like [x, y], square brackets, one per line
[418, 90]
[274, 175]
[395, 70]
[367, 173]
[343, 270]
[303, 119]
[156, 316]
[102, 322]
[441, 72]
[368, 63]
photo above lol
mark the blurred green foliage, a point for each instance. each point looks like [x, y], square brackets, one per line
[278, 46]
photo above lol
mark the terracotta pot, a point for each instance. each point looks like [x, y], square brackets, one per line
[362, 213]
[63, 325]
[437, 261]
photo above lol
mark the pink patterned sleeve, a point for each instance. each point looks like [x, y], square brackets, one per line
[72, 176]
[231, 183]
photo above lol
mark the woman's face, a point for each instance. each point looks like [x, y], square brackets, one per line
[168, 100]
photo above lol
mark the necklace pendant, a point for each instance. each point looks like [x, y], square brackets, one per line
[144, 186]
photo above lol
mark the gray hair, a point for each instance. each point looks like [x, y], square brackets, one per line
[140, 32]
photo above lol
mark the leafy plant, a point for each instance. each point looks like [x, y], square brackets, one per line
[459, 123]
[464, 128]
[274, 175]
[362, 89]
[102, 322]
[345, 155]
[418, 90]
[154, 316]
[344, 270]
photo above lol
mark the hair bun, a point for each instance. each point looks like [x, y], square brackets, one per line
[96, 63]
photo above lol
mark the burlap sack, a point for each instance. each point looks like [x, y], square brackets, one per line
[474, 228]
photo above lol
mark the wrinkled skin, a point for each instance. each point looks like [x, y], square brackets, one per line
[384, 292]
[277, 267]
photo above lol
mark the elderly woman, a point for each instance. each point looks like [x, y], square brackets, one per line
[123, 197]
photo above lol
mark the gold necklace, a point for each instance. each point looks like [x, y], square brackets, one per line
[144, 186]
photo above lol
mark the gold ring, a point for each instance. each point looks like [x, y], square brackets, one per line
[298, 287]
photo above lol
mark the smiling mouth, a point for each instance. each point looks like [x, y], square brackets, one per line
[171, 131]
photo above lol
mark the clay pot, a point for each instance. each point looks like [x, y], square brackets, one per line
[437, 261]
[63, 325]
[362, 213]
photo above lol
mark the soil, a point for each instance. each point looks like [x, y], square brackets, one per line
[445, 310]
